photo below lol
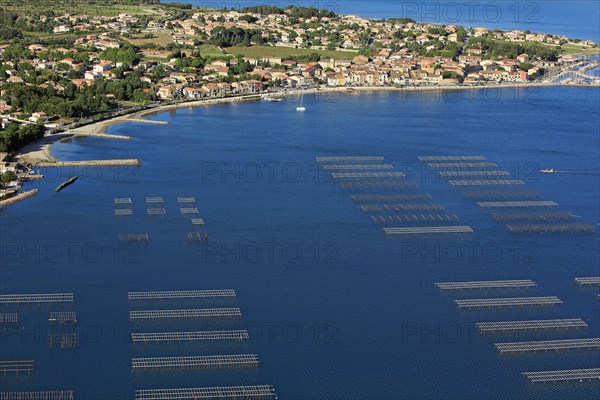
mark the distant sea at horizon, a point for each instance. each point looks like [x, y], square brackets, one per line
[575, 19]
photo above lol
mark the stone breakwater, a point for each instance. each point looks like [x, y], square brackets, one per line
[89, 163]
[19, 197]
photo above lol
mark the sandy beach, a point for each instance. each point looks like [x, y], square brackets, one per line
[41, 150]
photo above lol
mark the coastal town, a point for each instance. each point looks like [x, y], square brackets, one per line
[60, 70]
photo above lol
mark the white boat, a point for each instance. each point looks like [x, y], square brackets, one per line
[547, 171]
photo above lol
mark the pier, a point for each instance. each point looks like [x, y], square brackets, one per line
[153, 200]
[534, 325]
[122, 200]
[197, 221]
[223, 392]
[66, 183]
[45, 395]
[388, 197]
[550, 228]
[448, 174]
[349, 158]
[16, 366]
[235, 335]
[378, 184]
[36, 298]
[201, 313]
[19, 197]
[450, 158]
[546, 345]
[63, 317]
[413, 218]
[123, 212]
[350, 167]
[133, 237]
[462, 165]
[147, 121]
[194, 362]
[508, 302]
[367, 175]
[186, 199]
[564, 375]
[182, 294]
[65, 340]
[9, 318]
[189, 210]
[427, 230]
[503, 195]
[156, 211]
[488, 182]
[505, 284]
[533, 217]
[516, 204]
[588, 280]
[401, 207]
[89, 163]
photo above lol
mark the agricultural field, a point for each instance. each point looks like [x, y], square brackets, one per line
[158, 39]
[269, 51]
[208, 50]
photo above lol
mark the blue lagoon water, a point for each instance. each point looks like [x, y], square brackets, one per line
[335, 310]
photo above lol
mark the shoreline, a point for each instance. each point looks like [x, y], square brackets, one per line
[41, 150]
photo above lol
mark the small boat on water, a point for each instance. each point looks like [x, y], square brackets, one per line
[547, 171]
[301, 107]
[272, 99]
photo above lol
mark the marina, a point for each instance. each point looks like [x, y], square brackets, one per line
[588, 280]
[516, 204]
[534, 325]
[226, 392]
[505, 284]
[564, 375]
[185, 314]
[64, 317]
[508, 302]
[44, 395]
[194, 362]
[231, 335]
[16, 366]
[550, 228]
[490, 182]
[546, 345]
[428, 230]
[182, 294]
[36, 298]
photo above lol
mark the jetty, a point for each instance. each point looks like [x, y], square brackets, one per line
[133, 237]
[428, 230]
[402, 207]
[367, 175]
[36, 298]
[44, 395]
[350, 167]
[550, 228]
[156, 199]
[461, 165]
[186, 199]
[233, 335]
[89, 163]
[197, 221]
[564, 375]
[508, 302]
[212, 393]
[105, 135]
[534, 325]
[123, 212]
[389, 197]
[505, 284]
[533, 217]
[588, 280]
[546, 345]
[194, 362]
[156, 211]
[188, 210]
[413, 218]
[147, 121]
[378, 184]
[9, 318]
[19, 197]
[64, 340]
[16, 366]
[349, 158]
[66, 183]
[67, 317]
[450, 158]
[122, 201]
[182, 294]
[448, 174]
[516, 204]
[487, 182]
[503, 195]
[202, 313]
